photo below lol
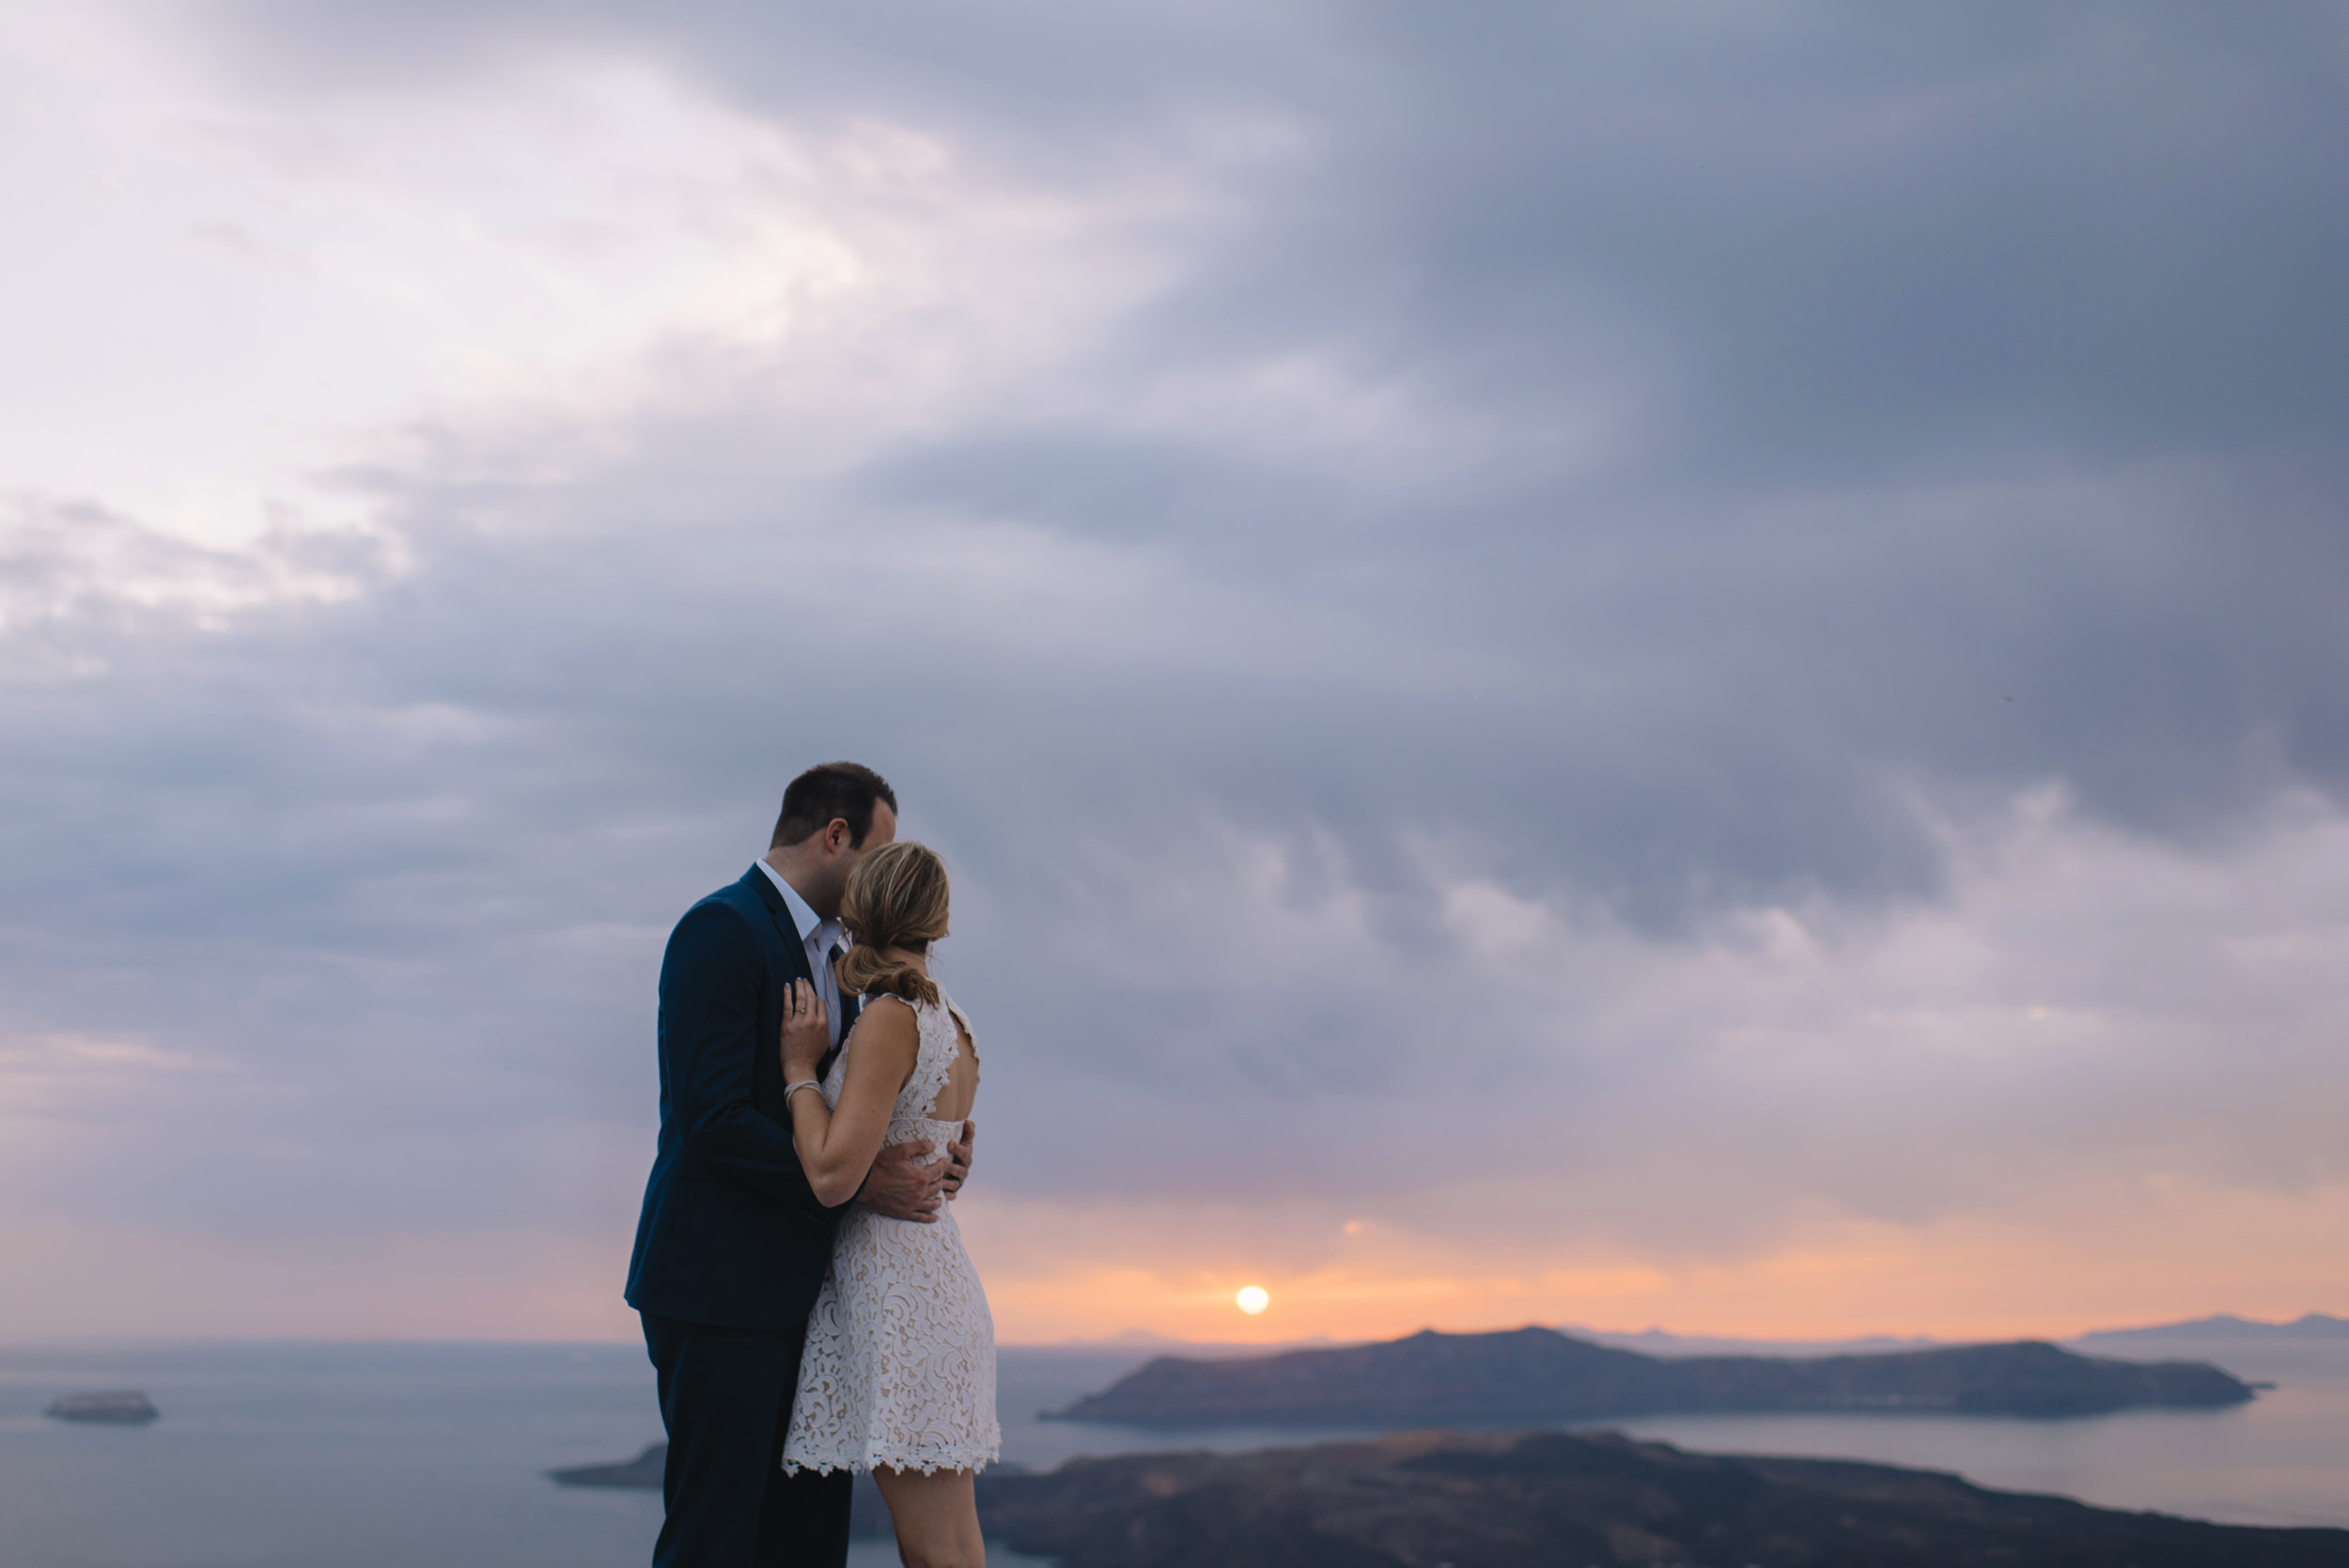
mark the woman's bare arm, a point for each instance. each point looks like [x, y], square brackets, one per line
[836, 1146]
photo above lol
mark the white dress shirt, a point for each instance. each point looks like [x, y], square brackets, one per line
[819, 936]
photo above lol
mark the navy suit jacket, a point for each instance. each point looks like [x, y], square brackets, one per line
[731, 1233]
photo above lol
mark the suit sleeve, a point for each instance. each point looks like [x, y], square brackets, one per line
[709, 982]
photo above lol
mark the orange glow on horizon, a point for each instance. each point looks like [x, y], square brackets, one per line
[1961, 1278]
[2165, 1254]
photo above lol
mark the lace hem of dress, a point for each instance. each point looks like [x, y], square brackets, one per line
[928, 1460]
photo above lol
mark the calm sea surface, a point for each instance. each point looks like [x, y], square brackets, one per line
[370, 1456]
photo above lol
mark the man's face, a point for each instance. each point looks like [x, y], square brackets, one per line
[883, 830]
[845, 855]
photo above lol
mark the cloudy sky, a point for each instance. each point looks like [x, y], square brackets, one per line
[1676, 664]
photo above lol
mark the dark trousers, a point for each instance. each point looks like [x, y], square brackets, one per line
[725, 1397]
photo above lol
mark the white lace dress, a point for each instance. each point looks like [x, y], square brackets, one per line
[900, 1362]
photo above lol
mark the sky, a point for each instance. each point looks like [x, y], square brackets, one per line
[1671, 666]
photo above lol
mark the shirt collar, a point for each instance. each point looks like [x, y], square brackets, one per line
[810, 926]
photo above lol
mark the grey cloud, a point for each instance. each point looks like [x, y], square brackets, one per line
[1221, 509]
[1968, 384]
[407, 861]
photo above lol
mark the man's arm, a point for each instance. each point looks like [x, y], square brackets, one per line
[903, 1189]
[958, 1159]
[709, 982]
[900, 1188]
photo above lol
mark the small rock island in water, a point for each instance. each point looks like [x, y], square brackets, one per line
[643, 1471]
[1533, 1374]
[869, 1516]
[118, 1408]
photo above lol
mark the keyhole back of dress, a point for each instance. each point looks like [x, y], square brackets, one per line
[961, 1088]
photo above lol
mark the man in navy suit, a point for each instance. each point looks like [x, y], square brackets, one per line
[732, 1245]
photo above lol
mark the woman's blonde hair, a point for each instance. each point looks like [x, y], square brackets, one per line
[897, 897]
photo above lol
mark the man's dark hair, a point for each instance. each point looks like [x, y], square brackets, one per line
[834, 790]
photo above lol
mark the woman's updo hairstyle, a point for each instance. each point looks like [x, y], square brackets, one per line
[897, 897]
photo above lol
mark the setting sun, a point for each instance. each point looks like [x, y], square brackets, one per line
[1254, 1299]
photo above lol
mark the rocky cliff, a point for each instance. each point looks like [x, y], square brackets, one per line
[1559, 1501]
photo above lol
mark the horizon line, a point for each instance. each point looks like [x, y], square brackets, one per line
[1139, 1338]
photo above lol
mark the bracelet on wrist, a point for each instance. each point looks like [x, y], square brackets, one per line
[791, 1089]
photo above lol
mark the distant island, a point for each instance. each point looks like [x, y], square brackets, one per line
[2226, 1325]
[1532, 1375]
[1658, 1342]
[643, 1471]
[116, 1407]
[1542, 1500]
[868, 1514]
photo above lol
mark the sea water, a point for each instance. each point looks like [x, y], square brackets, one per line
[277, 1455]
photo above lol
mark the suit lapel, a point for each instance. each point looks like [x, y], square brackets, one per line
[797, 956]
[794, 945]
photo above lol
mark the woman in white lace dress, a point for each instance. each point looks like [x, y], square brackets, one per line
[898, 1376]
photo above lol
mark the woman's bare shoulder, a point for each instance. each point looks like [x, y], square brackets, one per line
[881, 1050]
[887, 1017]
